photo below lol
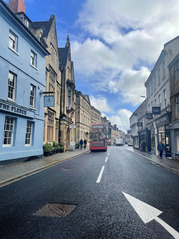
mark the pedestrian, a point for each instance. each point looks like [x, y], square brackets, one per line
[81, 143]
[160, 149]
[85, 142]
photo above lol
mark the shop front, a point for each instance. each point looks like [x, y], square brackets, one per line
[145, 135]
[163, 133]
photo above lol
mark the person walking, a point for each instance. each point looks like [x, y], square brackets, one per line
[81, 143]
[160, 149]
[85, 142]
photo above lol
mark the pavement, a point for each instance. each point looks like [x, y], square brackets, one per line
[169, 164]
[12, 172]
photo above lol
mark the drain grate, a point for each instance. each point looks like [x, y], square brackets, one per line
[55, 210]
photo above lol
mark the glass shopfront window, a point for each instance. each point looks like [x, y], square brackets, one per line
[164, 137]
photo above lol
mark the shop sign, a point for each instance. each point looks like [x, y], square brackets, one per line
[140, 124]
[149, 116]
[49, 101]
[162, 121]
[13, 109]
[156, 110]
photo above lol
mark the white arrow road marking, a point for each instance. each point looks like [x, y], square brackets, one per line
[148, 213]
[100, 175]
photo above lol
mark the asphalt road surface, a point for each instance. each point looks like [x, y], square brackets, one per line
[110, 191]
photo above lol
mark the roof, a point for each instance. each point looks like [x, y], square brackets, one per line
[6, 6]
[63, 54]
[45, 25]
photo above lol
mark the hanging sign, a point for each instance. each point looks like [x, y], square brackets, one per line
[49, 101]
[156, 110]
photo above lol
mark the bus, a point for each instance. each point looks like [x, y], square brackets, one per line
[98, 137]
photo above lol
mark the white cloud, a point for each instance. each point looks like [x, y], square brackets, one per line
[131, 85]
[100, 103]
[121, 119]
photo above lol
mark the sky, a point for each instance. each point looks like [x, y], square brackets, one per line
[114, 46]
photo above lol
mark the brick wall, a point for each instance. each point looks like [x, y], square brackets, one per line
[17, 5]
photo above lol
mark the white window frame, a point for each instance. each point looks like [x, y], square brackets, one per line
[33, 59]
[8, 138]
[12, 78]
[28, 135]
[13, 41]
[32, 96]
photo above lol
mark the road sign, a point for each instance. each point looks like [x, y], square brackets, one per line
[148, 213]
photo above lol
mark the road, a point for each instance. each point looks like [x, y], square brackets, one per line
[104, 186]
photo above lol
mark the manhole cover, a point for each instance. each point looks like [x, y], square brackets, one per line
[55, 210]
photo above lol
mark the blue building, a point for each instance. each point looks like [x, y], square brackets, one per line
[22, 80]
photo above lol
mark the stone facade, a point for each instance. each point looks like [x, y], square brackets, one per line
[158, 94]
[68, 98]
[46, 33]
[95, 115]
[83, 117]
[174, 99]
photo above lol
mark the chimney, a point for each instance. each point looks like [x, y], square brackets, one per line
[17, 5]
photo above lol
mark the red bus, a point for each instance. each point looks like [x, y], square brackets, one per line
[98, 137]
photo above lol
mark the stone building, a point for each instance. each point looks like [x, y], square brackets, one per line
[22, 64]
[68, 98]
[158, 95]
[95, 115]
[174, 100]
[83, 116]
[45, 32]
[138, 128]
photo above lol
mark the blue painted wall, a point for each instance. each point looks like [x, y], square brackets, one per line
[19, 63]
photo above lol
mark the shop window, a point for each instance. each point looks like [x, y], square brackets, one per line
[28, 136]
[8, 131]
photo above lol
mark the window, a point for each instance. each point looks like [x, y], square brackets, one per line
[69, 96]
[28, 136]
[177, 104]
[32, 96]
[165, 98]
[33, 59]
[12, 41]
[176, 68]
[11, 86]
[8, 131]
[163, 68]
[159, 100]
[159, 76]
[154, 82]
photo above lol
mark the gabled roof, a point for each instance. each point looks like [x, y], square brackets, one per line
[63, 54]
[45, 25]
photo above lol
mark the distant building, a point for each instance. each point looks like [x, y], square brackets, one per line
[22, 64]
[83, 117]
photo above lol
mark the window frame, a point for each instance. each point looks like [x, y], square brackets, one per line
[32, 97]
[29, 133]
[12, 87]
[9, 131]
[33, 59]
[13, 43]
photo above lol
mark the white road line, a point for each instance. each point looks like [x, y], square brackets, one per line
[100, 175]
[106, 159]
